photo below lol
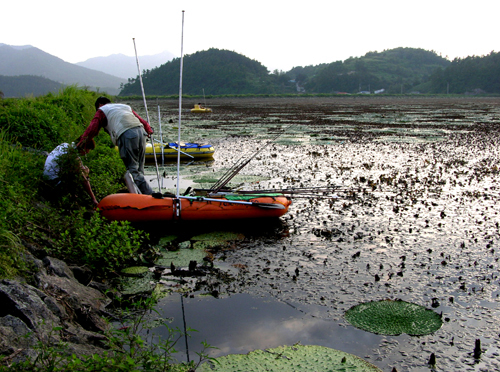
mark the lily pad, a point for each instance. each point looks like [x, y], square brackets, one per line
[215, 240]
[291, 358]
[181, 257]
[219, 236]
[388, 317]
[136, 271]
[210, 244]
[167, 240]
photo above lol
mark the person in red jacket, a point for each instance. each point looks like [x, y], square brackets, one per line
[128, 131]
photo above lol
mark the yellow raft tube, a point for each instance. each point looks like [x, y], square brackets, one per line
[193, 151]
[199, 108]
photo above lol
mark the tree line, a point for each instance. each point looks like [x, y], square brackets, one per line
[394, 71]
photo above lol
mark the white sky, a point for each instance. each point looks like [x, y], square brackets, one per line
[279, 34]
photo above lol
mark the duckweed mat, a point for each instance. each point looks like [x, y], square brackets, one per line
[388, 317]
[291, 358]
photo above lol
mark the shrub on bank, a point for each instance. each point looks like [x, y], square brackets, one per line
[65, 227]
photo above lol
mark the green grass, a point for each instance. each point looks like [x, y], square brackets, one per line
[61, 222]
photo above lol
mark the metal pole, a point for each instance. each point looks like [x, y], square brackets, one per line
[161, 137]
[180, 108]
[147, 113]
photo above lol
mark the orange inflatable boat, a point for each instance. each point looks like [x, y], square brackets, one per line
[147, 208]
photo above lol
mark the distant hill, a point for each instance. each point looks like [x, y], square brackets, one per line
[27, 85]
[470, 75]
[124, 66]
[215, 71]
[398, 70]
[220, 72]
[28, 60]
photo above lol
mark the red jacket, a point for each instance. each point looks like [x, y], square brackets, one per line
[99, 121]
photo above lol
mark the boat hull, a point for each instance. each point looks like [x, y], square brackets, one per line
[200, 109]
[146, 208]
[193, 151]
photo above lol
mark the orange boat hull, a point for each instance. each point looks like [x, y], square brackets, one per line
[145, 208]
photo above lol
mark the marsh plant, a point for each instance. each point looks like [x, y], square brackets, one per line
[130, 346]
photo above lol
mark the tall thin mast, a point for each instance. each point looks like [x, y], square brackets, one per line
[147, 114]
[180, 108]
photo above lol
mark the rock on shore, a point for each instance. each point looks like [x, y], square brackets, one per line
[55, 308]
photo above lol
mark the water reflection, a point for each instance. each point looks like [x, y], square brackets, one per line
[242, 323]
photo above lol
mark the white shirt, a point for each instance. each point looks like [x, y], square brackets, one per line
[51, 169]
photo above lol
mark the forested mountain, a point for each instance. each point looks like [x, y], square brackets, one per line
[25, 85]
[215, 71]
[29, 70]
[468, 75]
[224, 72]
[397, 70]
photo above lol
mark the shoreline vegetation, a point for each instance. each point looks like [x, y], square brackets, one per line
[58, 257]
[308, 95]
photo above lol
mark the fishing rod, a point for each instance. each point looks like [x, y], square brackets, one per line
[329, 192]
[257, 204]
[319, 191]
[147, 113]
[239, 165]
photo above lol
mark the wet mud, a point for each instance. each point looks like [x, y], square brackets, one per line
[422, 225]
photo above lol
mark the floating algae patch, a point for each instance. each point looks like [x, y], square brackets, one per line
[181, 257]
[133, 285]
[216, 239]
[219, 235]
[388, 317]
[291, 358]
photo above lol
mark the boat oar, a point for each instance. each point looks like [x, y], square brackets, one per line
[255, 204]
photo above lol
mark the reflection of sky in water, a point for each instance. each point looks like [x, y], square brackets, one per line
[242, 323]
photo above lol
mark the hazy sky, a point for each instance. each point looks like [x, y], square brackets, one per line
[279, 34]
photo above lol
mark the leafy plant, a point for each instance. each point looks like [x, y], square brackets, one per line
[128, 350]
[98, 243]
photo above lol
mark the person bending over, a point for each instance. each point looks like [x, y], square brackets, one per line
[128, 131]
[61, 157]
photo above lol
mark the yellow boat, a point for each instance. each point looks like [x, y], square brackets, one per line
[193, 151]
[199, 108]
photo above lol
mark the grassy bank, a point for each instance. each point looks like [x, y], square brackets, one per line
[64, 226]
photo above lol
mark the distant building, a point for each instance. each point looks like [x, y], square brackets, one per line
[379, 91]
